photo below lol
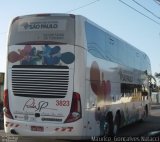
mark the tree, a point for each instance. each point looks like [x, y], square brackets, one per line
[157, 75]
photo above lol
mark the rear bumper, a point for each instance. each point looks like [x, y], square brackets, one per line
[67, 130]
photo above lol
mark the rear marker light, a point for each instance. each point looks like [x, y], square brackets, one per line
[6, 108]
[76, 110]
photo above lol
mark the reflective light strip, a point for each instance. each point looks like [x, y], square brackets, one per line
[17, 125]
[8, 124]
[64, 129]
[11, 124]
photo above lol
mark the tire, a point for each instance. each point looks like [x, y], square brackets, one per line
[146, 111]
[117, 123]
[1, 124]
[145, 114]
[108, 126]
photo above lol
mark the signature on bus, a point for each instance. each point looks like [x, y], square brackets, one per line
[31, 104]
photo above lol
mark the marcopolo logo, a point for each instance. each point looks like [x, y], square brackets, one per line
[40, 25]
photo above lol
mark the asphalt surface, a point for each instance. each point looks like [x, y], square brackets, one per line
[152, 123]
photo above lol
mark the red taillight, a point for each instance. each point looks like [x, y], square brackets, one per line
[75, 111]
[7, 112]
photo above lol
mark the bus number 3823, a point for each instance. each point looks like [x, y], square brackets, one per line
[62, 102]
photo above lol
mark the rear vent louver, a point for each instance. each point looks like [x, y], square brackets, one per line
[40, 81]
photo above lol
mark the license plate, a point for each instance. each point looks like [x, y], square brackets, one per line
[37, 128]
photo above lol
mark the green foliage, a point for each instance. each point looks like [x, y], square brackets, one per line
[157, 75]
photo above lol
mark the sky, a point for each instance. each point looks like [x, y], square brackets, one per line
[135, 21]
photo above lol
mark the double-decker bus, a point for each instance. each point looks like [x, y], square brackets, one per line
[66, 76]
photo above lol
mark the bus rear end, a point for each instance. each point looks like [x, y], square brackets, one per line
[39, 98]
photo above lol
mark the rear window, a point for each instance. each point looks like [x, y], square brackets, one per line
[37, 29]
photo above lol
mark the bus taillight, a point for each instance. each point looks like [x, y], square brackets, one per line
[76, 110]
[6, 108]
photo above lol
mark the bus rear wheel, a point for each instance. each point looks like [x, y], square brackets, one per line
[117, 122]
[108, 126]
[146, 111]
[145, 115]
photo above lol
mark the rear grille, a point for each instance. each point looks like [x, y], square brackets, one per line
[40, 81]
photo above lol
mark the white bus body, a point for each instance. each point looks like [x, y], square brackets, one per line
[66, 77]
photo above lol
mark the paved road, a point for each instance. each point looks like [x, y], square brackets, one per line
[152, 123]
[137, 129]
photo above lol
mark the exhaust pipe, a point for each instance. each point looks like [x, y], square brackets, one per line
[13, 131]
